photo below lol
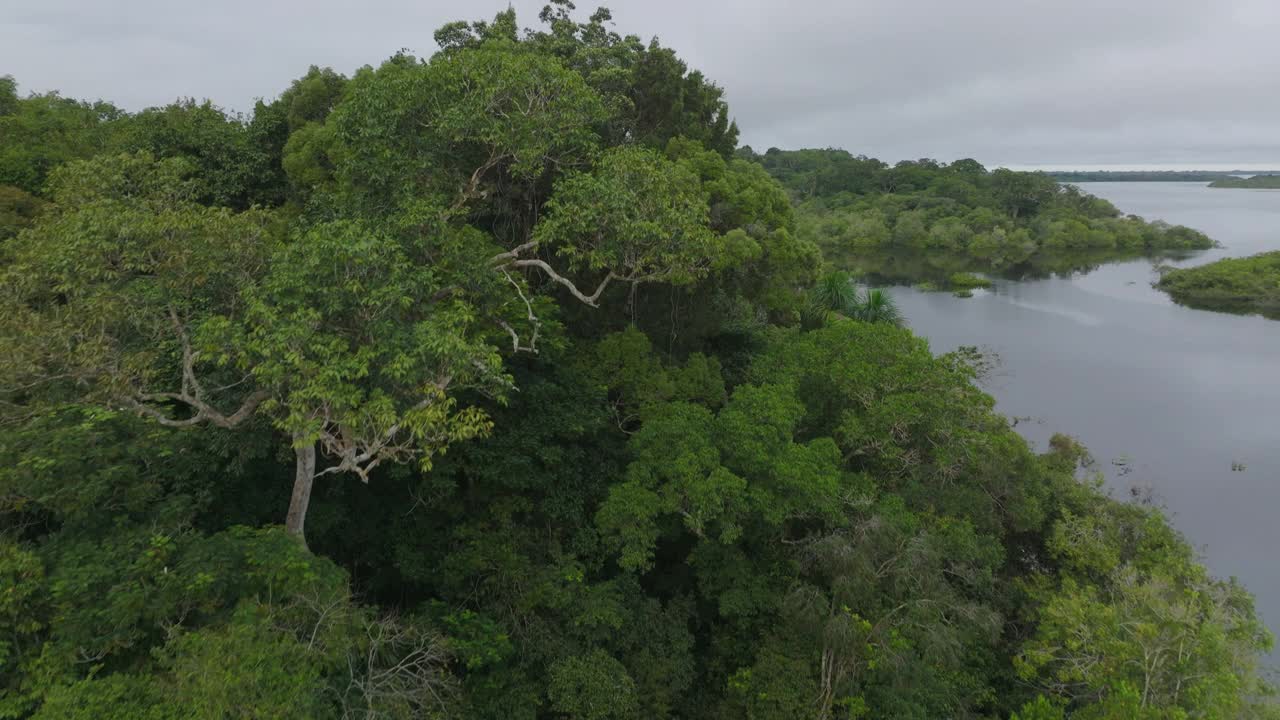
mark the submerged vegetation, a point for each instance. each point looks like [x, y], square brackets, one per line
[965, 280]
[494, 385]
[1246, 285]
[925, 221]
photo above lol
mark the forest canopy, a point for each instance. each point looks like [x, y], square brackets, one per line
[501, 384]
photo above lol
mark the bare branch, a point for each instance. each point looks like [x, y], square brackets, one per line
[532, 347]
[566, 282]
[190, 386]
[400, 665]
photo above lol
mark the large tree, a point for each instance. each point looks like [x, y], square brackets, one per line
[357, 330]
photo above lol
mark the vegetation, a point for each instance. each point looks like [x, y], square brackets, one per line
[493, 385]
[968, 280]
[836, 294]
[1248, 285]
[925, 221]
[1257, 182]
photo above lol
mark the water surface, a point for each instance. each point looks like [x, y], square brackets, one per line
[1167, 398]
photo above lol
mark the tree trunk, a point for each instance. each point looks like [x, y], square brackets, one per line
[304, 476]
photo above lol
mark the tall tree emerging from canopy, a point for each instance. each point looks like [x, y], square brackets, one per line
[650, 93]
[358, 329]
[419, 302]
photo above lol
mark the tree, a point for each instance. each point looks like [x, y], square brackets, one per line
[834, 292]
[592, 687]
[361, 339]
[9, 102]
[478, 119]
[837, 293]
[968, 166]
[284, 133]
[875, 306]
[350, 335]
[651, 95]
[230, 169]
[1135, 617]
[1022, 194]
[637, 217]
[411, 313]
[40, 132]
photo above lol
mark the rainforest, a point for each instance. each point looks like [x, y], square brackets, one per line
[502, 383]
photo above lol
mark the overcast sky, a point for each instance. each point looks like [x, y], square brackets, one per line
[1015, 82]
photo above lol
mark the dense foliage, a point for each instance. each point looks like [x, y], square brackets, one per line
[1257, 182]
[494, 385]
[925, 221]
[1247, 285]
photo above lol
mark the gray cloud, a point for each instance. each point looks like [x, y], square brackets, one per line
[1019, 82]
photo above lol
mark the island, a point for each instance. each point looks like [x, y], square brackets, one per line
[1256, 182]
[1243, 285]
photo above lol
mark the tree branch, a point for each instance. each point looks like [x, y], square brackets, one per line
[190, 386]
[513, 253]
[203, 411]
[362, 456]
[469, 191]
[532, 347]
[566, 282]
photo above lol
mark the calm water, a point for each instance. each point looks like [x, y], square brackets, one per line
[1165, 397]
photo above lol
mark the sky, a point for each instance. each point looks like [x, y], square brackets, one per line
[1021, 83]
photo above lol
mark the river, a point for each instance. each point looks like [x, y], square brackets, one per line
[1166, 398]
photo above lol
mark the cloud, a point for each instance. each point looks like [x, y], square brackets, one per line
[1006, 81]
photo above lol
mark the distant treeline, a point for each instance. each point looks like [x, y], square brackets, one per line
[1071, 176]
[1264, 182]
